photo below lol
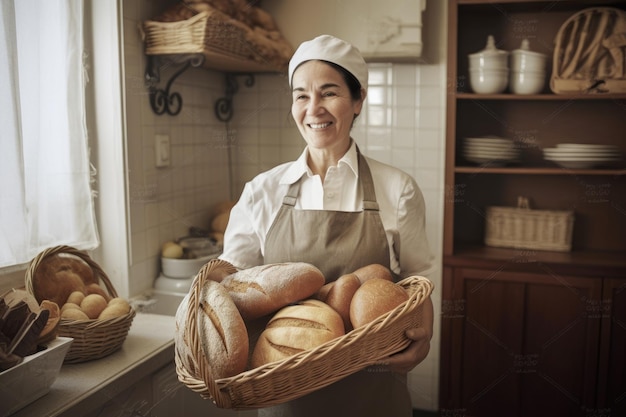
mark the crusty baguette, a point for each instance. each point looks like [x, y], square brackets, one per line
[264, 289]
[296, 328]
[375, 297]
[222, 332]
[340, 295]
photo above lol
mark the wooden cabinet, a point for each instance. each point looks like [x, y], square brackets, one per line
[525, 331]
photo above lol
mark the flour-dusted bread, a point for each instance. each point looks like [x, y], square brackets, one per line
[297, 328]
[264, 289]
[375, 297]
[222, 332]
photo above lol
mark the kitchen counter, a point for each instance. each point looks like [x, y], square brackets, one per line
[81, 388]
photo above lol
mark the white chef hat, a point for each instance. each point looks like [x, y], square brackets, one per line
[331, 49]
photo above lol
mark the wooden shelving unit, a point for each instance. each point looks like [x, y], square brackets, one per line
[530, 332]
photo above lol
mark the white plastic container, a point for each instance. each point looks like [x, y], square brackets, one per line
[528, 70]
[32, 379]
[184, 268]
[527, 82]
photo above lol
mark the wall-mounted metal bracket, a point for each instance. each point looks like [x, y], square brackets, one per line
[224, 105]
[162, 100]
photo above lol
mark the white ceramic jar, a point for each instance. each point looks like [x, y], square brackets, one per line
[528, 70]
[489, 69]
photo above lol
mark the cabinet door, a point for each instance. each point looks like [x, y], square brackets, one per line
[612, 384]
[529, 343]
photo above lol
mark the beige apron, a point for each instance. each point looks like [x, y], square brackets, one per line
[338, 243]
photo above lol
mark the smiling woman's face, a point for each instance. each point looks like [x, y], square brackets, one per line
[322, 106]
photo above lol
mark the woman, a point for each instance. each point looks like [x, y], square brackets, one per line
[339, 211]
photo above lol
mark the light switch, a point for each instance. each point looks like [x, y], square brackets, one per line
[162, 146]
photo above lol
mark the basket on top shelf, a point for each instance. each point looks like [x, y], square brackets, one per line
[524, 228]
[281, 381]
[93, 338]
[226, 43]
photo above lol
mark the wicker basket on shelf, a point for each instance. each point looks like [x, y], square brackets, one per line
[281, 381]
[93, 339]
[524, 228]
[226, 44]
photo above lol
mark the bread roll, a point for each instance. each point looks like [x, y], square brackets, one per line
[264, 289]
[322, 293]
[222, 332]
[296, 328]
[340, 296]
[368, 272]
[374, 298]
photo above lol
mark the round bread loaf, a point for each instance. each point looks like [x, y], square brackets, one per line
[222, 332]
[264, 289]
[368, 272]
[57, 276]
[340, 295]
[375, 297]
[296, 328]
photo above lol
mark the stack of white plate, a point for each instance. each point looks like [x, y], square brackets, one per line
[490, 150]
[581, 156]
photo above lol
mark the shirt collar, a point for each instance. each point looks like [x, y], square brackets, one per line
[299, 167]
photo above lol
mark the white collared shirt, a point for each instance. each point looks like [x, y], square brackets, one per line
[400, 201]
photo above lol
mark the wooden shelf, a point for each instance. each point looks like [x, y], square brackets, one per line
[540, 97]
[537, 171]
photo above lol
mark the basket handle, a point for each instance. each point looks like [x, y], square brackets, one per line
[522, 202]
[30, 272]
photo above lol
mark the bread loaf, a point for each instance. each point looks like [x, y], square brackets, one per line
[375, 297]
[340, 295]
[373, 271]
[264, 289]
[322, 293]
[222, 332]
[296, 328]
[57, 276]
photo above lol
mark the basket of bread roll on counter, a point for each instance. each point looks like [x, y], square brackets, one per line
[249, 338]
[92, 313]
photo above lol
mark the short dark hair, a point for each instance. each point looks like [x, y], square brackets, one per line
[353, 84]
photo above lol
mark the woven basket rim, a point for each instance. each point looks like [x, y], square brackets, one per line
[218, 390]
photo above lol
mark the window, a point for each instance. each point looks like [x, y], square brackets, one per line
[45, 193]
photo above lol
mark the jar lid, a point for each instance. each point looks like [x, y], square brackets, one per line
[490, 49]
[525, 49]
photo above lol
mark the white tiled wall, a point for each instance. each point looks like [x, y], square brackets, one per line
[402, 124]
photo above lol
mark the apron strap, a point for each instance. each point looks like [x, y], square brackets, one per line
[365, 180]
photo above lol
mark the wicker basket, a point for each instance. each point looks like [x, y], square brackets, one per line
[589, 53]
[523, 228]
[93, 339]
[281, 381]
[225, 45]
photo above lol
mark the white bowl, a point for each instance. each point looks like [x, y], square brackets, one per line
[489, 81]
[33, 377]
[527, 82]
[184, 268]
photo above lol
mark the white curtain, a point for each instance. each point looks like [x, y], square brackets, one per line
[45, 193]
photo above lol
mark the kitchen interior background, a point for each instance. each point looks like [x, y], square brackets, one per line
[402, 124]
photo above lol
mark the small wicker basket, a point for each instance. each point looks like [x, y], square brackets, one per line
[281, 381]
[93, 339]
[523, 228]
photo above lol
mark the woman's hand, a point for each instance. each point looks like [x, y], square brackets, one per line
[417, 351]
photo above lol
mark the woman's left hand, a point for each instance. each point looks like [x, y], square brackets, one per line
[417, 351]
